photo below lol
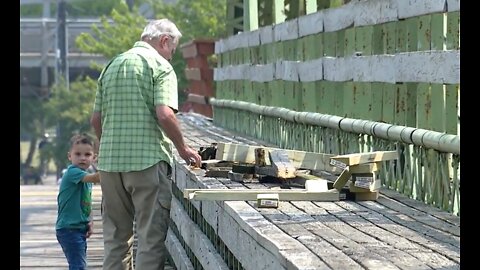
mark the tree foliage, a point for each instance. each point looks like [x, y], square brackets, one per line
[195, 19]
[117, 34]
[70, 109]
[75, 9]
[31, 124]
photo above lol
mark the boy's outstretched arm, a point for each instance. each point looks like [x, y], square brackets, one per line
[92, 178]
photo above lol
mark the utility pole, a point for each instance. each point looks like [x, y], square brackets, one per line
[130, 4]
[62, 47]
[61, 67]
[44, 89]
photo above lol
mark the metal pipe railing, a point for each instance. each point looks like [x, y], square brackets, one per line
[442, 142]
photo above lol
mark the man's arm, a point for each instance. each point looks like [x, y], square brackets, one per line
[96, 122]
[168, 121]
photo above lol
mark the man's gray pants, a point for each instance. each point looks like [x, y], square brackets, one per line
[146, 197]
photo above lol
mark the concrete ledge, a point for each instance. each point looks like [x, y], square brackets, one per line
[178, 254]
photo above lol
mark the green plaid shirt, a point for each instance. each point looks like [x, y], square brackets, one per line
[128, 89]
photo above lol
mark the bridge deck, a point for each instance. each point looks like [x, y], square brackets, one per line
[394, 232]
[39, 248]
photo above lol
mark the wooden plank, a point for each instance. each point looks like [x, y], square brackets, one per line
[374, 186]
[313, 48]
[349, 42]
[452, 117]
[39, 248]
[424, 33]
[437, 31]
[250, 16]
[376, 109]
[365, 168]
[442, 67]
[374, 12]
[198, 242]
[261, 73]
[319, 185]
[398, 112]
[389, 30]
[366, 196]
[287, 30]
[309, 96]
[335, 19]
[435, 212]
[342, 180]
[300, 159]
[295, 221]
[414, 8]
[438, 108]
[251, 194]
[278, 12]
[329, 41]
[375, 68]
[218, 172]
[444, 245]
[363, 40]
[337, 69]
[379, 233]
[411, 104]
[178, 254]
[380, 239]
[364, 99]
[304, 70]
[424, 108]
[364, 180]
[453, 5]
[453, 31]
[360, 158]
[310, 24]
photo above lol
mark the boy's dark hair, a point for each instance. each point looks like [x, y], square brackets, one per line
[82, 139]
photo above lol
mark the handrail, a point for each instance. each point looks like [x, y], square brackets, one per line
[442, 142]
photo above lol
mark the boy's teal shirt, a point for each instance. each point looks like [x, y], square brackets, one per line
[74, 200]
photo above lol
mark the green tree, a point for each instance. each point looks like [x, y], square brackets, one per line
[196, 19]
[75, 9]
[31, 125]
[70, 110]
[117, 33]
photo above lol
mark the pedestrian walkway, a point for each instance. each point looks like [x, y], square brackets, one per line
[39, 248]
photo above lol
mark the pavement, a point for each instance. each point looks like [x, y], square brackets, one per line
[38, 246]
[50, 179]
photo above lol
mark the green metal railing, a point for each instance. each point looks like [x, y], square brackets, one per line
[427, 169]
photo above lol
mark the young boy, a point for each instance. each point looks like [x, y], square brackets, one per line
[74, 224]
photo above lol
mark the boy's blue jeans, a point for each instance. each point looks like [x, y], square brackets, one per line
[74, 246]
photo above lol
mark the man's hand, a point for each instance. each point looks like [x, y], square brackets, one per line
[191, 156]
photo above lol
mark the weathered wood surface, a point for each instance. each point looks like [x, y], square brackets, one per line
[39, 248]
[393, 232]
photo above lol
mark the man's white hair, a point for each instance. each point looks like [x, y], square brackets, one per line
[156, 28]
